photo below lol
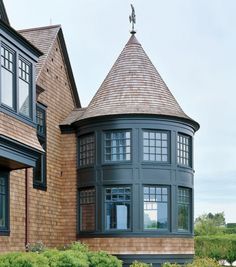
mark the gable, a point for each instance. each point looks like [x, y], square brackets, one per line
[3, 13]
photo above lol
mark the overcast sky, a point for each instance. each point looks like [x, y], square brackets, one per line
[192, 43]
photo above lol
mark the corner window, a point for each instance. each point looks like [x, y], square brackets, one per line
[86, 150]
[39, 180]
[117, 146]
[7, 77]
[87, 209]
[4, 203]
[155, 208]
[24, 87]
[155, 146]
[117, 204]
[184, 150]
[184, 211]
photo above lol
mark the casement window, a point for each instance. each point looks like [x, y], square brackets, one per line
[86, 150]
[117, 146]
[184, 150]
[155, 146]
[184, 209]
[16, 92]
[155, 207]
[87, 210]
[40, 180]
[4, 203]
[118, 208]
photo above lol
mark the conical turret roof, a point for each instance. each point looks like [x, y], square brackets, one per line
[133, 86]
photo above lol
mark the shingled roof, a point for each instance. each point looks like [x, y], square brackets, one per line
[43, 38]
[133, 86]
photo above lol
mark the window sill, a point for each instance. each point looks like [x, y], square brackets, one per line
[4, 232]
[40, 187]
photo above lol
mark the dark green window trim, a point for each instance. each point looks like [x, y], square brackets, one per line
[184, 209]
[156, 204]
[156, 146]
[4, 207]
[117, 146]
[118, 208]
[40, 171]
[87, 150]
[184, 150]
[87, 209]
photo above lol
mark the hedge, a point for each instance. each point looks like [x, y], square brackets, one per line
[198, 262]
[222, 247]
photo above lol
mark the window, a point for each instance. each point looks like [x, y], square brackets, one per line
[87, 150]
[155, 207]
[184, 150]
[16, 92]
[184, 202]
[155, 146]
[87, 209]
[4, 204]
[40, 169]
[7, 77]
[117, 146]
[117, 203]
[24, 88]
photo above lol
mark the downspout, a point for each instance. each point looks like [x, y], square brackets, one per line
[26, 206]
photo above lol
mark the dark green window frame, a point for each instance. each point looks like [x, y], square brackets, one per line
[156, 204]
[40, 171]
[184, 209]
[87, 150]
[184, 150]
[117, 146]
[4, 203]
[11, 61]
[118, 199]
[156, 146]
[87, 209]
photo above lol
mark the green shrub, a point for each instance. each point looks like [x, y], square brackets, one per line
[77, 246]
[103, 259]
[168, 264]
[23, 260]
[36, 247]
[140, 264]
[203, 262]
[221, 247]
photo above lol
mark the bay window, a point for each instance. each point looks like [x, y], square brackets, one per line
[184, 209]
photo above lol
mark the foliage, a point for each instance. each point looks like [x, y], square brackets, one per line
[198, 262]
[35, 247]
[168, 264]
[209, 224]
[231, 225]
[140, 264]
[77, 246]
[216, 247]
[103, 259]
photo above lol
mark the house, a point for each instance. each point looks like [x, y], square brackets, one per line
[116, 175]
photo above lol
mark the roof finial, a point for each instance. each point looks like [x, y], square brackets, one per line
[132, 19]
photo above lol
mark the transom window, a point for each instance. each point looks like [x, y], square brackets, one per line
[155, 207]
[7, 77]
[24, 88]
[87, 209]
[3, 202]
[184, 150]
[118, 146]
[118, 202]
[184, 201]
[87, 150]
[155, 146]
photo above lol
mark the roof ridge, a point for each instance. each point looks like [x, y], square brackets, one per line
[40, 28]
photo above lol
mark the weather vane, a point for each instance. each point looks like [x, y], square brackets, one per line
[132, 19]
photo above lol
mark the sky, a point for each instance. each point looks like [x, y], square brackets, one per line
[192, 44]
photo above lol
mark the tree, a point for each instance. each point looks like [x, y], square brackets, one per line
[209, 224]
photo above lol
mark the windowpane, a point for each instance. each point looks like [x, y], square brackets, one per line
[7, 85]
[155, 208]
[155, 146]
[87, 150]
[184, 209]
[24, 88]
[183, 150]
[117, 202]
[3, 203]
[87, 210]
[117, 146]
